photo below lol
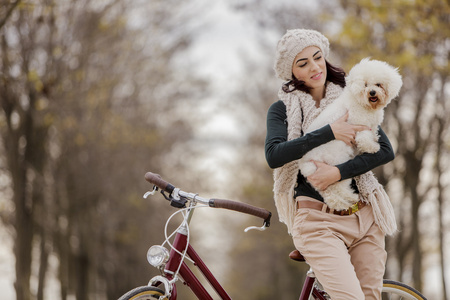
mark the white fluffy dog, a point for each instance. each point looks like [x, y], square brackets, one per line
[370, 86]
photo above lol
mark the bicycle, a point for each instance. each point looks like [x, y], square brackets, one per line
[173, 266]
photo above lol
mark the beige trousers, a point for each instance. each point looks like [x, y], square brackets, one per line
[346, 253]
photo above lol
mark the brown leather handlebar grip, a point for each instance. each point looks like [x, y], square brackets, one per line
[159, 182]
[242, 207]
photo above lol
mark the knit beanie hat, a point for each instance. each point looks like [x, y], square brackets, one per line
[291, 44]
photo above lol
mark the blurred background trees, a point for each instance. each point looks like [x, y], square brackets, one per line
[85, 89]
[96, 93]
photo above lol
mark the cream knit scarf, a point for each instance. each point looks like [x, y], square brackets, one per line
[301, 111]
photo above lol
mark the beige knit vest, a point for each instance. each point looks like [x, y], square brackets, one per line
[301, 111]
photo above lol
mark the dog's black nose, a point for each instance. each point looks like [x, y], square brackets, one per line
[372, 93]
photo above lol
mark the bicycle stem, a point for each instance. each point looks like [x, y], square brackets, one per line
[190, 212]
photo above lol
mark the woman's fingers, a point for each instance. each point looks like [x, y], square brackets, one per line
[324, 175]
[346, 132]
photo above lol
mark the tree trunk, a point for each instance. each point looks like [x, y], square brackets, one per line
[412, 180]
[441, 211]
[82, 261]
[62, 245]
[23, 244]
[23, 223]
[43, 265]
[440, 147]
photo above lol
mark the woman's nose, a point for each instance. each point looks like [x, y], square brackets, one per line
[314, 66]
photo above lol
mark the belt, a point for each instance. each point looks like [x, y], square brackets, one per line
[313, 204]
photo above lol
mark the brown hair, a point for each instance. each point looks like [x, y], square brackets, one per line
[335, 75]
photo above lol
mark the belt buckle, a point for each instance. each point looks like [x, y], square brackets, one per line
[354, 208]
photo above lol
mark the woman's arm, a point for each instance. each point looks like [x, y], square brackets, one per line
[279, 150]
[368, 161]
[326, 175]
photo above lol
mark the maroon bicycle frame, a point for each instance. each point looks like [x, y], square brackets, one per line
[180, 243]
[308, 286]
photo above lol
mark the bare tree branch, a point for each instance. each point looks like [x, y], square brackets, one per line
[8, 14]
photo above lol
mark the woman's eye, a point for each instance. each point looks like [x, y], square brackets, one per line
[317, 58]
[302, 65]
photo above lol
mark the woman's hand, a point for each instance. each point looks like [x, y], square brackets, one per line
[346, 132]
[324, 176]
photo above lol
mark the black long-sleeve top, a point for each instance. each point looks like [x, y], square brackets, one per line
[280, 151]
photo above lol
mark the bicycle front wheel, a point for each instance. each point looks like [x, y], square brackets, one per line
[394, 290]
[144, 293]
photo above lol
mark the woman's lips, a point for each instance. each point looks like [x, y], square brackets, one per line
[317, 76]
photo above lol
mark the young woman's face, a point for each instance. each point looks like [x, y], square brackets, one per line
[309, 66]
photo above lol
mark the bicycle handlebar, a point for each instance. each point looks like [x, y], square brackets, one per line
[216, 203]
[242, 207]
[159, 182]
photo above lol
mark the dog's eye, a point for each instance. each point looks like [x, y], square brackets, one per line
[378, 85]
[365, 84]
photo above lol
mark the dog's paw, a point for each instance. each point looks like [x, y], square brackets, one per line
[366, 142]
[307, 168]
[368, 147]
[340, 195]
[337, 203]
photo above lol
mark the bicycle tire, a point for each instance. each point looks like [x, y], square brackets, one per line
[396, 290]
[392, 290]
[143, 293]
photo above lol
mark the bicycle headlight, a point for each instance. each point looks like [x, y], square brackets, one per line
[157, 256]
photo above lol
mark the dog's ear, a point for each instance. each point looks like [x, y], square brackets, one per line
[354, 80]
[393, 83]
[355, 84]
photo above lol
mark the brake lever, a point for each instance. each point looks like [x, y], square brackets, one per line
[155, 189]
[262, 228]
[175, 201]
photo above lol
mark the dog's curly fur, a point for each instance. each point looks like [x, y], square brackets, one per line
[370, 87]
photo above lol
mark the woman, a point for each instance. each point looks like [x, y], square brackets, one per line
[346, 248]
